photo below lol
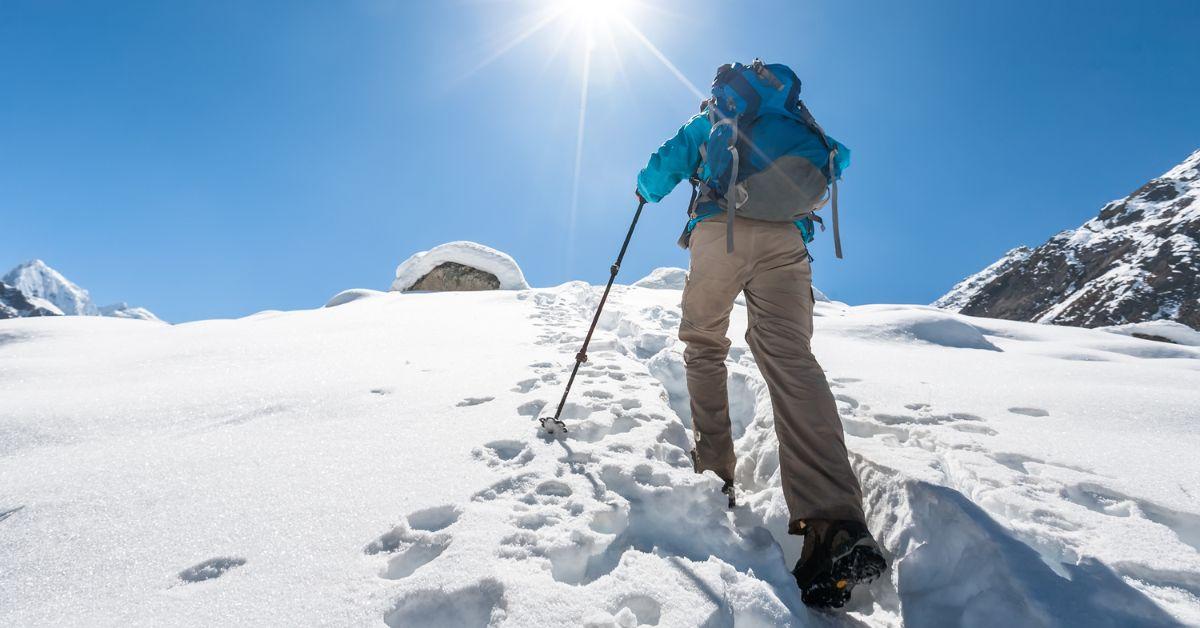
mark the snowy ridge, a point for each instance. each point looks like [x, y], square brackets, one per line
[462, 252]
[966, 290]
[385, 479]
[1137, 261]
[124, 310]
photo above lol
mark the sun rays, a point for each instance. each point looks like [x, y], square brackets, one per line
[598, 28]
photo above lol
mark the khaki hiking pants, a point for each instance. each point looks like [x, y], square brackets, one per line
[770, 264]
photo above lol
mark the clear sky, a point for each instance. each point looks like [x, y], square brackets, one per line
[213, 158]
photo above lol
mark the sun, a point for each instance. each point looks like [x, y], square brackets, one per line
[594, 12]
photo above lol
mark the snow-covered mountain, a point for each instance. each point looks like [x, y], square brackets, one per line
[377, 462]
[15, 304]
[35, 280]
[1138, 261]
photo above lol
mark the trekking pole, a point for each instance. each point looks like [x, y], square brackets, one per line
[553, 424]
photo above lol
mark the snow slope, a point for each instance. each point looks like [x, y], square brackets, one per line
[377, 463]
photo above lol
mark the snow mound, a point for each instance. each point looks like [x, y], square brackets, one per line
[470, 254]
[353, 294]
[918, 323]
[664, 278]
[1168, 331]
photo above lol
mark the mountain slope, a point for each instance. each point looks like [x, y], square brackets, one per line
[378, 462]
[15, 304]
[1139, 260]
[38, 282]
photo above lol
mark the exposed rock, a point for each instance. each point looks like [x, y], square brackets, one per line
[16, 304]
[455, 277]
[1139, 260]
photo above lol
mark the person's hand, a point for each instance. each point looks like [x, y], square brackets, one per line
[638, 194]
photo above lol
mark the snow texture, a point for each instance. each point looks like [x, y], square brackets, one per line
[1170, 331]
[471, 254]
[380, 464]
[664, 278]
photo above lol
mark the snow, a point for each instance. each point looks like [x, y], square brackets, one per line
[471, 254]
[672, 278]
[349, 296]
[124, 310]
[664, 278]
[1172, 331]
[379, 464]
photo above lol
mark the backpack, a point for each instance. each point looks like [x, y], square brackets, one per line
[766, 158]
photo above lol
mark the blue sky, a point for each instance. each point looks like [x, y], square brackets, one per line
[213, 158]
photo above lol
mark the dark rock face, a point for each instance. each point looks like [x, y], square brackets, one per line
[14, 304]
[455, 277]
[1139, 260]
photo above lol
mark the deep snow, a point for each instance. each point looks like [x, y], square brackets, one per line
[377, 463]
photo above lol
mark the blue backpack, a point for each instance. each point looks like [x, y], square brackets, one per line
[766, 158]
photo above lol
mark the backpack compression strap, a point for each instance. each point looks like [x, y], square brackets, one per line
[833, 192]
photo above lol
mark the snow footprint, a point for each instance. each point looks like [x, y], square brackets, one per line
[415, 543]
[501, 452]
[210, 569]
[474, 401]
[476, 606]
[526, 385]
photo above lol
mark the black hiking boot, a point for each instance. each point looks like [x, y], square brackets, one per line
[837, 556]
[728, 490]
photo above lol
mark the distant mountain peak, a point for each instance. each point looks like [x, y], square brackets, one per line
[1138, 260]
[34, 288]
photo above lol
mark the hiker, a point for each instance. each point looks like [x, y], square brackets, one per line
[757, 134]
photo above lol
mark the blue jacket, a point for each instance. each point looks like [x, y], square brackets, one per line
[679, 157]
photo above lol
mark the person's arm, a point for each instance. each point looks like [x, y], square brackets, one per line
[674, 161]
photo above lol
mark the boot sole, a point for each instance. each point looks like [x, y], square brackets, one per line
[861, 565]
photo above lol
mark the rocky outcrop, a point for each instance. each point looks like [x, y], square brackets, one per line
[459, 266]
[452, 276]
[1138, 260]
